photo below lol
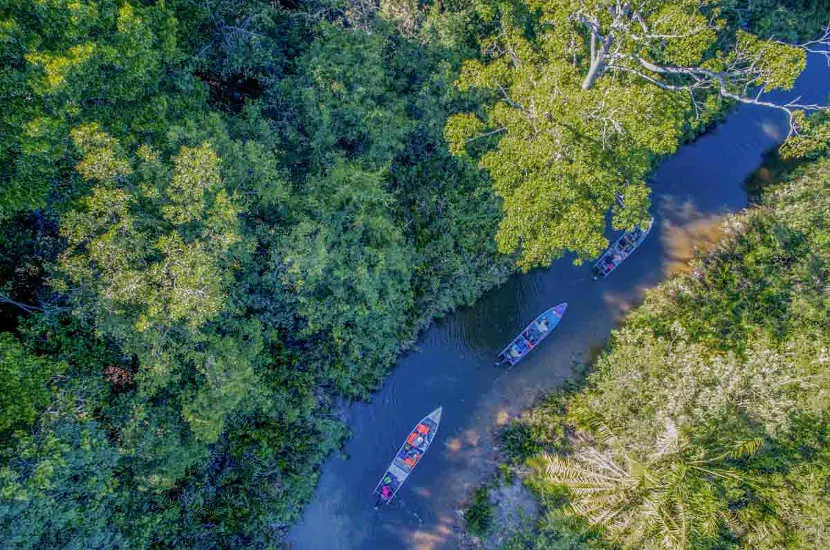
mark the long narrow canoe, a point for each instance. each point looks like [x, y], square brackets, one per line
[532, 335]
[621, 249]
[413, 449]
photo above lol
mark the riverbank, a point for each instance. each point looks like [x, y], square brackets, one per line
[749, 314]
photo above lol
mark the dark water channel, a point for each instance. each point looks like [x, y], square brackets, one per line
[452, 364]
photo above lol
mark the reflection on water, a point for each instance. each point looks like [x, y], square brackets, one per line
[620, 303]
[472, 437]
[423, 492]
[453, 365]
[453, 444]
[434, 538]
[684, 242]
[773, 131]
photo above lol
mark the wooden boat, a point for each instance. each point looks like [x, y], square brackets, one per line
[621, 249]
[413, 449]
[532, 335]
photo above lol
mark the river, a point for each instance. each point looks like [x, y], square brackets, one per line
[453, 362]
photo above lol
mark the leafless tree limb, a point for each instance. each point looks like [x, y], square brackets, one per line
[486, 134]
[742, 80]
[820, 46]
[4, 299]
[704, 79]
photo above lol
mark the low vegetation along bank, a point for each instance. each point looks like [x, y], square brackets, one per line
[704, 423]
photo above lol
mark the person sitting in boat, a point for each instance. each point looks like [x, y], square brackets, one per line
[408, 451]
[416, 439]
[388, 485]
[631, 239]
[403, 451]
[410, 456]
[543, 325]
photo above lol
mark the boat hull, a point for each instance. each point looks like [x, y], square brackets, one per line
[408, 457]
[527, 340]
[620, 250]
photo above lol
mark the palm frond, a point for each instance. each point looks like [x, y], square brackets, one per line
[745, 447]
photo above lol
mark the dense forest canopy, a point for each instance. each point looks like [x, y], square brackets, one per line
[219, 218]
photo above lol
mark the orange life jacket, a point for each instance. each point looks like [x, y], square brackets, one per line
[422, 429]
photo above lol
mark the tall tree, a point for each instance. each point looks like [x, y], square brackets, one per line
[586, 95]
[348, 265]
[671, 498]
[684, 46]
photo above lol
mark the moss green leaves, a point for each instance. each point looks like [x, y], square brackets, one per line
[349, 266]
[561, 155]
[775, 65]
[102, 157]
[176, 271]
[24, 382]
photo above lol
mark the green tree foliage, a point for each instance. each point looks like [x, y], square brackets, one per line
[346, 94]
[812, 140]
[23, 383]
[69, 63]
[790, 20]
[225, 216]
[709, 408]
[559, 157]
[220, 218]
[479, 514]
[152, 253]
[350, 269]
[58, 490]
[584, 96]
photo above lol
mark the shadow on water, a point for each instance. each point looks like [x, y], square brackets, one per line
[453, 365]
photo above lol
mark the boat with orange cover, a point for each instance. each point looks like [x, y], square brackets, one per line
[413, 449]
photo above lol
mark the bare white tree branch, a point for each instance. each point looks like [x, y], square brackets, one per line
[742, 79]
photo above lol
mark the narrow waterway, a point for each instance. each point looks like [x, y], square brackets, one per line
[452, 364]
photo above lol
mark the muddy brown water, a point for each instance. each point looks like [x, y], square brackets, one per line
[453, 362]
